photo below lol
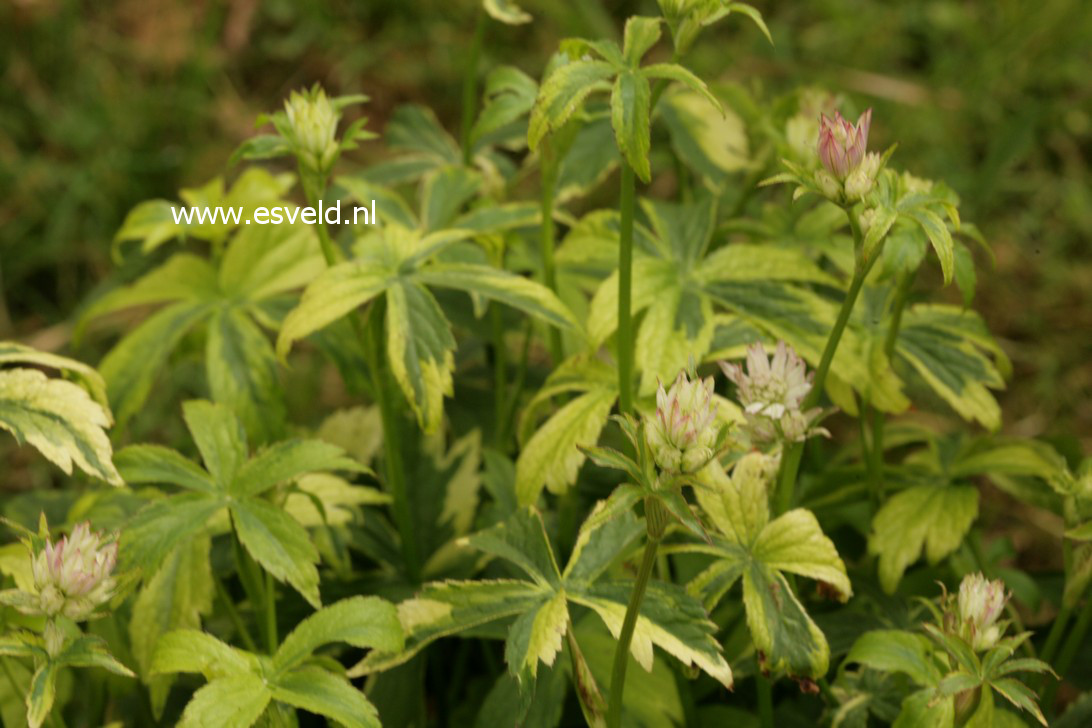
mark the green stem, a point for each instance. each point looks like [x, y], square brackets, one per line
[470, 86]
[791, 463]
[1054, 638]
[878, 420]
[625, 286]
[392, 449]
[250, 574]
[270, 613]
[372, 345]
[521, 379]
[872, 457]
[549, 165]
[233, 614]
[764, 689]
[621, 652]
[1073, 642]
[500, 377]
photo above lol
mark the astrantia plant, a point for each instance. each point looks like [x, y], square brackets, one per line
[486, 438]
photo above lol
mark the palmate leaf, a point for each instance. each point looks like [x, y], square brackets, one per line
[260, 264]
[57, 417]
[232, 481]
[442, 609]
[287, 677]
[395, 263]
[759, 551]
[952, 351]
[924, 517]
[552, 457]
[671, 618]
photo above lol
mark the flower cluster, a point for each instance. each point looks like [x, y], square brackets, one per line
[849, 170]
[980, 603]
[683, 432]
[312, 127]
[772, 392]
[73, 576]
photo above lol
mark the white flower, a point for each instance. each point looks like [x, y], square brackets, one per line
[684, 430]
[770, 387]
[72, 576]
[981, 602]
[771, 392]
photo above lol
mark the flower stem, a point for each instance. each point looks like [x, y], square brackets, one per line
[621, 652]
[764, 690]
[791, 463]
[625, 288]
[470, 86]
[877, 418]
[655, 523]
[548, 181]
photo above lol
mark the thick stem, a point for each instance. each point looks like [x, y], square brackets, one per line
[548, 181]
[625, 287]
[621, 652]
[764, 689]
[470, 86]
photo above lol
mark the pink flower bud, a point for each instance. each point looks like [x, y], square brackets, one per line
[842, 145]
[684, 430]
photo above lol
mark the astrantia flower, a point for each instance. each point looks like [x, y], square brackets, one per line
[72, 576]
[770, 387]
[981, 602]
[312, 121]
[683, 432]
[842, 145]
[771, 392]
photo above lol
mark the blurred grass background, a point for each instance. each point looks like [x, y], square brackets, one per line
[105, 104]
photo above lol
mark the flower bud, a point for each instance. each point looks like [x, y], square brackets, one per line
[981, 602]
[312, 123]
[861, 180]
[842, 145]
[683, 433]
[72, 577]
